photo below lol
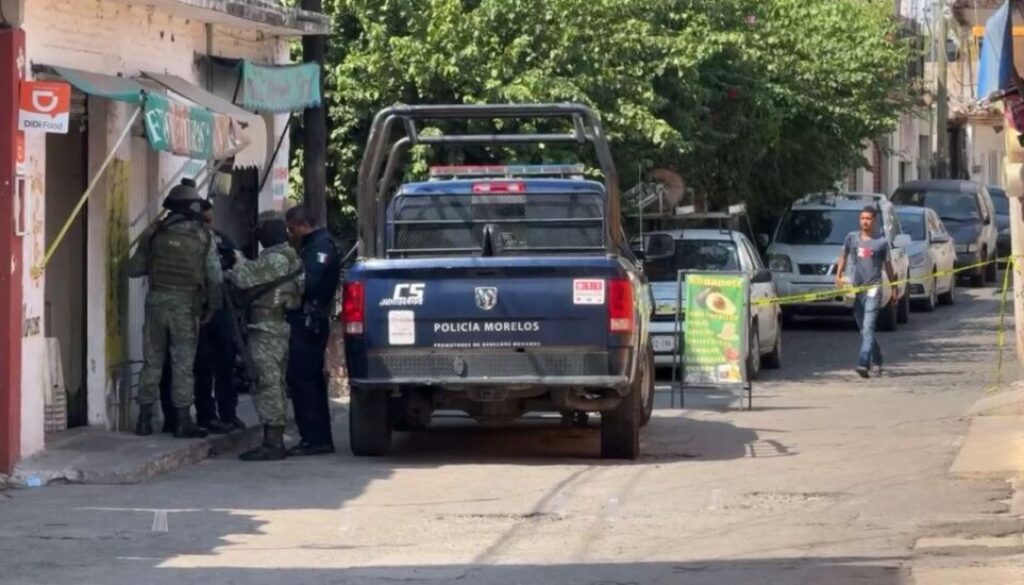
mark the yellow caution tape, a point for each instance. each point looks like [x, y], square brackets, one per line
[852, 290]
[1001, 327]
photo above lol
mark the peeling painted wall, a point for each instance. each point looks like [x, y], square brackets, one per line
[114, 38]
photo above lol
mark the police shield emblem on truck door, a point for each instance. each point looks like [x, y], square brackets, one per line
[486, 297]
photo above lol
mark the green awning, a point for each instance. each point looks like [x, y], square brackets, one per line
[106, 86]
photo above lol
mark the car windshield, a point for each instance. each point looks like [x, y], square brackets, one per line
[999, 200]
[818, 227]
[697, 255]
[913, 225]
[950, 205]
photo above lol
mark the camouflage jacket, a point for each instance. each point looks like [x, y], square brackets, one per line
[138, 265]
[274, 263]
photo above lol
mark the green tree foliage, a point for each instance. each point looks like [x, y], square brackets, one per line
[755, 100]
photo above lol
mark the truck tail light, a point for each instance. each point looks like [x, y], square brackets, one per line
[499, 187]
[620, 306]
[353, 308]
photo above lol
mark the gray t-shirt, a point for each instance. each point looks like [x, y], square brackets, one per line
[869, 256]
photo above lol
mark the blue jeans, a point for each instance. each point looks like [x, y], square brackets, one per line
[865, 311]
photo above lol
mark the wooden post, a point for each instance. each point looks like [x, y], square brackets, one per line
[314, 128]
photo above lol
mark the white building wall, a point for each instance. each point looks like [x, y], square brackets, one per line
[111, 38]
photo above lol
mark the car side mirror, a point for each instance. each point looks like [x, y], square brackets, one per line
[762, 276]
[901, 241]
[940, 239]
[658, 246]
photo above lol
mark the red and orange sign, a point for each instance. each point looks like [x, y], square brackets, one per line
[45, 106]
[19, 153]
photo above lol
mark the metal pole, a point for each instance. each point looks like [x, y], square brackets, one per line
[941, 93]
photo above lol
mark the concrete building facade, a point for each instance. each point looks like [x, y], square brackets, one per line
[78, 322]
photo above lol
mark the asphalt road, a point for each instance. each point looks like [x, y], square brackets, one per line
[829, 479]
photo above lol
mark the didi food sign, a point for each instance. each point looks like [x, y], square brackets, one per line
[45, 106]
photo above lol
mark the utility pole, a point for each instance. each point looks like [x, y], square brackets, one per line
[941, 91]
[314, 128]
[1014, 174]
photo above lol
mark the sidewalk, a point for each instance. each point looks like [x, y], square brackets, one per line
[990, 548]
[96, 455]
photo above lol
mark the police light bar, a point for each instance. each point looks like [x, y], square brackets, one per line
[506, 171]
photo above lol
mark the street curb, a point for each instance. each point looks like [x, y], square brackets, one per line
[189, 453]
[1004, 403]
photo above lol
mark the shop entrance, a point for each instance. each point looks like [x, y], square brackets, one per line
[65, 294]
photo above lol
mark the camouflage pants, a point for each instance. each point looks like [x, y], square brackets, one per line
[268, 343]
[171, 327]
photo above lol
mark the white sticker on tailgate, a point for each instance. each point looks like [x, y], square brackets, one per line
[401, 327]
[588, 291]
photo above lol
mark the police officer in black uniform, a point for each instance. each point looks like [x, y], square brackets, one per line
[216, 397]
[310, 331]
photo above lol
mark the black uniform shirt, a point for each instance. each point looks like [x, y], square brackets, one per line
[322, 262]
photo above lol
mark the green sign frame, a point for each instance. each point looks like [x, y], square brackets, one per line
[716, 329]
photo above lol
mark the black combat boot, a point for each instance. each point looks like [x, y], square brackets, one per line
[235, 424]
[144, 425]
[272, 448]
[215, 427]
[186, 428]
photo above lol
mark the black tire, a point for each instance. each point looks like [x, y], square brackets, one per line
[978, 276]
[903, 311]
[754, 353]
[620, 428]
[369, 430]
[646, 382]
[788, 319]
[992, 272]
[949, 297]
[887, 317]
[773, 359]
[928, 305]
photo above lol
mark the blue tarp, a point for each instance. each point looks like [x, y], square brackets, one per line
[995, 67]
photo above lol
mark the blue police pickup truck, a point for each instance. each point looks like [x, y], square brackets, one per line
[494, 290]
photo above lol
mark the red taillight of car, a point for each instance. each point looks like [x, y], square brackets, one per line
[499, 187]
[353, 308]
[620, 306]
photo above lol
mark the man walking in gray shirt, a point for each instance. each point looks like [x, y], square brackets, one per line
[870, 256]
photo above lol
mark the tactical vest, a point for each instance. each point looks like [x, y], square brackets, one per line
[177, 257]
[286, 296]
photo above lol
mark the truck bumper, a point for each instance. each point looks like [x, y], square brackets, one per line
[583, 367]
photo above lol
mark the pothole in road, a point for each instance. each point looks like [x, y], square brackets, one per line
[751, 500]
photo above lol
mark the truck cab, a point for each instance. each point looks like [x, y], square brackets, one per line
[496, 290]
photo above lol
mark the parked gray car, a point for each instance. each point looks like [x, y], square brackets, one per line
[966, 209]
[1002, 205]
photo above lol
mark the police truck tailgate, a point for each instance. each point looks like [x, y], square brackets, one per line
[496, 318]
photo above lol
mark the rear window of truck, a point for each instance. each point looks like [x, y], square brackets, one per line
[496, 224]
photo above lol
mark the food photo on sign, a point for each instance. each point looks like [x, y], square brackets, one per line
[715, 329]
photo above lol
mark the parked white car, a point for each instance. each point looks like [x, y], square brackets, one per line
[807, 244]
[932, 257]
[712, 250]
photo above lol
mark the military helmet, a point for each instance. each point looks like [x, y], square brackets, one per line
[269, 216]
[186, 192]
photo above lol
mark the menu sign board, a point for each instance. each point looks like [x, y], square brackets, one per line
[715, 343]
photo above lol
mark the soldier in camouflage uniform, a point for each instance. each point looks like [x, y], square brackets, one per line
[273, 285]
[178, 256]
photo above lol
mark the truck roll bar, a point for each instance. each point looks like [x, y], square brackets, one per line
[383, 155]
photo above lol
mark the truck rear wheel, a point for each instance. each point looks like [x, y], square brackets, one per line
[620, 428]
[369, 429]
[647, 383]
